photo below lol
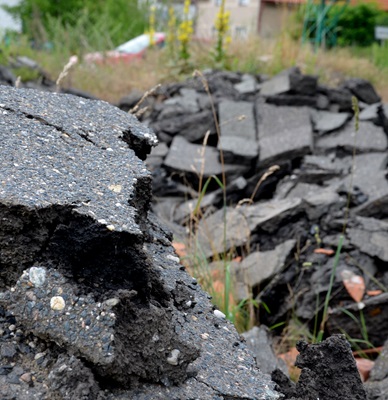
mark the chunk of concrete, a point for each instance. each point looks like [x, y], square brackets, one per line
[369, 138]
[248, 85]
[370, 113]
[197, 159]
[369, 179]
[290, 80]
[329, 371]
[377, 384]
[285, 133]
[236, 119]
[370, 236]
[259, 341]
[191, 126]
[238, 150]
[262, 265]
[363, 90]
[238, 132]
[240, 222]
[326, 121]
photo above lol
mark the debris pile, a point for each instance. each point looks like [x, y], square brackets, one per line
[295, 159]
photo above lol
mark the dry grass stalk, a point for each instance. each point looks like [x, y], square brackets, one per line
[135, 110]
[18, 82]
[66, 70]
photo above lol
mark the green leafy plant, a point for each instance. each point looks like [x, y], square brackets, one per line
[222, 28]
[356, 24]
[185, 32]
[88, 20]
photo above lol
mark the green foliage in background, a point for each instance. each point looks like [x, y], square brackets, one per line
[356, 26]
[81, 24]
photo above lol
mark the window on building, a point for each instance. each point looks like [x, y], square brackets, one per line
[240, 32]
[217, 3]
[243, 2]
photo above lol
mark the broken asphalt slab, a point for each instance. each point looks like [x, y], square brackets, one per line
[284, 133]
[84, 262]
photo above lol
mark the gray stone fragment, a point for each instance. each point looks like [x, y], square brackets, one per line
[277, 85]
[370, 113]
[379, 371]
[238, 150]
[284, 133]
[322, 201]
[369, 138]
[238, 132]
[259, 341]
[192, 126]
[363, 90]
[37, 276]
[319, 169]
[325, 121]
[262, 265]
[329, 371]
[329, 163]
[371, 237]
[72, 380]
[186, 157]
[289, 80]
[248, 85]
[194, 158]
[317, 200]
[369, 178]
[188, 101]
[236, 119]
[240, 222]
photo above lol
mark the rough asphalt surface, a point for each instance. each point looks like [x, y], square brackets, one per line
[93, 301]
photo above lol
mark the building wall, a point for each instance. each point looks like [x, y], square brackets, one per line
[274, 17]
[243, 18]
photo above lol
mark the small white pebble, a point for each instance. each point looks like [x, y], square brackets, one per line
[37, 276]
[111, 227]
[112, 302]
[189, 303]
[219, 314]
[39, 355]
[173, 359]
[173, 258]
[57, 303]
[12, 327]
[205, 336]
[360, 305]
[102, 221]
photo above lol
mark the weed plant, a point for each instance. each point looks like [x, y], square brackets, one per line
[185, 33]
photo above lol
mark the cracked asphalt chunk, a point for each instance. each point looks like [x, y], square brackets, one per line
[89, 276]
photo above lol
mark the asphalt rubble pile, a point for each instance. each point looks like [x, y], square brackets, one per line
[94, 303]
[289, 146]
